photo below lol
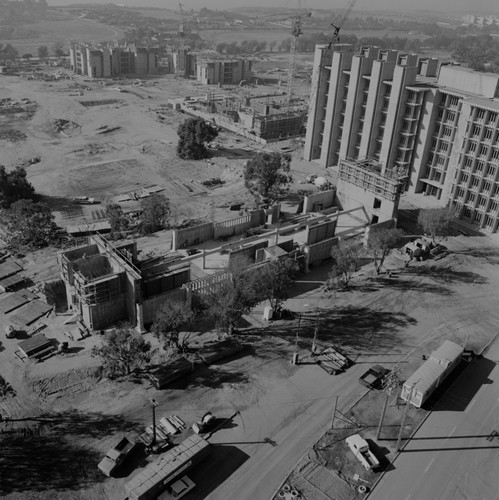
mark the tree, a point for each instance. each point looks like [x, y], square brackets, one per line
[14, 186]
[29, 224]
[380, 243]
[27, 56]
[43, 52]
[117, 218]
[233, 298]
[193, 134]
[436, 222]
[123, 350]
[59, 49]
[155, 213]
[346, 256]
[274, 279]
[170, 319]
[266, 174]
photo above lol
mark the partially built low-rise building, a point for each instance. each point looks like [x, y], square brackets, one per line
[106, 284]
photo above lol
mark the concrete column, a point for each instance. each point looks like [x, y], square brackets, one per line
[140, 319]
[204, 258]
[69, 296]
[276, 241]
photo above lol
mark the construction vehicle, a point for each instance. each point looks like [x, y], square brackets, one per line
[360, 448]
[116, 456]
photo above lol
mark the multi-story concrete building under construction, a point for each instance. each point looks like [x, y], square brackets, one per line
[435, 126]
[101, 61]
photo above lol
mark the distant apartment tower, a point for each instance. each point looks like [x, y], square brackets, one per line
[437, 124]
[212, 68]
[224, 71]
[102, 61]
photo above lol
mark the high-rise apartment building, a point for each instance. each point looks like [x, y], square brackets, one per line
[436, 124]
[101, 61]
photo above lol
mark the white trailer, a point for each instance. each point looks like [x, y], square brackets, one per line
[360, 448]
[423, 382]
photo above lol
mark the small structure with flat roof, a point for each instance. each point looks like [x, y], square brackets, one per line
[36, 347]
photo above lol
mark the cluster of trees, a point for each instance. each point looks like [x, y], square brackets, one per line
[8, 53]
[155, 212]
[194, 134]
[243, 47]
[26, 222]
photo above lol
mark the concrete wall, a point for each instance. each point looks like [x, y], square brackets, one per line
[485, 84]
[248, 251]
[315, 254]
[238, 225]
[351, 196]
[318, 201]
[150, 306]
[194, 235]
[320, 232]
[100, 316]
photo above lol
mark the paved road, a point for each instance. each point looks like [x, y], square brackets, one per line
[244, 465]
[455, 454]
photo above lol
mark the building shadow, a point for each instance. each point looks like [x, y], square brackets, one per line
[223, 461]
[461, 386]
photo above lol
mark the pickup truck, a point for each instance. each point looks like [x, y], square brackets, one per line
[116, 456]
[360, 448]
[373, 378]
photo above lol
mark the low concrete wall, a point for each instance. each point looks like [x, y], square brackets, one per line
[150, 306]
[248, 251]
[318, 201]
[194, 235]
[315, 254]
[238, 225]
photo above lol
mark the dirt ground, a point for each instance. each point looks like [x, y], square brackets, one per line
[64, 415]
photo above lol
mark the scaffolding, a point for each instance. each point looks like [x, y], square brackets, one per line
[368, 174]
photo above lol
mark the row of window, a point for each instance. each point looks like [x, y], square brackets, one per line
[477, 217]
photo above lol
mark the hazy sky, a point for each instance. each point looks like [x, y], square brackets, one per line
[473, 6]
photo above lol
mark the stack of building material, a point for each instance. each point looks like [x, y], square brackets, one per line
[170, 372]
[211, 353]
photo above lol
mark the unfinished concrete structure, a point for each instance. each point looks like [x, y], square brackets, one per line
[108, 60]
[106, 284]
[438, 123]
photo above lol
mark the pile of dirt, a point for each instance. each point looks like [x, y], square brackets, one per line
[91, 149]
[24, 108]
[66, 128]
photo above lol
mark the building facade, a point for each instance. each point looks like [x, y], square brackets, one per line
[104, 61]
[438, 125]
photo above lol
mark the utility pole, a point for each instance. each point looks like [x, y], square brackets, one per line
[154, 403]
[334, 412]
[407, 403]
[383, 414]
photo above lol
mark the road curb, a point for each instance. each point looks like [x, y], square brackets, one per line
[288, 475]
[398, 453]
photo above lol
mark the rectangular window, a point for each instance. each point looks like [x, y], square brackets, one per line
[459, 192]
[491, 171]
[475, 181]
[377, 203]
[486, 187]
[471, 147]
[447, 131]
[493, 206]
[495, 154]
[471, 198]
[483, 151]
[488, 134]
[477, 217]
[482, 201]
[492, 119]
[479, 167]
[466, 212]
[495, 191]
[451, 116]
[468, 161]
[453, 101]
[464, 178]
[475, 131]
[480, 114]
[489, 221]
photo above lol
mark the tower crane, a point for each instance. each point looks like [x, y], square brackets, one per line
[296, 31]
[337, 24]
[181, 38]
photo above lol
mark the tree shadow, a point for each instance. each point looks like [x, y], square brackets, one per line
[209, 377]
[354, 327]
[376, 284]
[46, 463]
[448, 275]
[491, 256]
